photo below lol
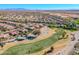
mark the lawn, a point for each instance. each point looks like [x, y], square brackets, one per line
[34, 47]
[76, 21]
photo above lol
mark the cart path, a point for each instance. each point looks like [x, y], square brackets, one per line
[45, 33]
[57, 46]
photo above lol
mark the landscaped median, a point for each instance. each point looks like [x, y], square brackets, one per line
[35, 46]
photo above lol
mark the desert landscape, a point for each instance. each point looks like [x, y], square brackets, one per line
[39, 32]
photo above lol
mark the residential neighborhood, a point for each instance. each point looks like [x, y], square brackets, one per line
[39, 32]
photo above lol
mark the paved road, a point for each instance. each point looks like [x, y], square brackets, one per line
[69, 47]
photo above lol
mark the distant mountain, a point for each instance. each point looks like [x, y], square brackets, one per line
[22, 9]
[38, 9]
[14, 9]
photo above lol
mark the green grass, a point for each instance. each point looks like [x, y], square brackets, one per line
[76, 21]
[1, 32]
[72, 30]
[34, 47]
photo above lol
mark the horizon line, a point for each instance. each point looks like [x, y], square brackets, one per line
[32, 9]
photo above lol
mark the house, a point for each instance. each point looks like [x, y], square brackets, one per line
[19, 38]
[31, 36]
[4, 35]
[13, 33]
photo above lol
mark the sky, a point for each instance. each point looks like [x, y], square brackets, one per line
[41, 6]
